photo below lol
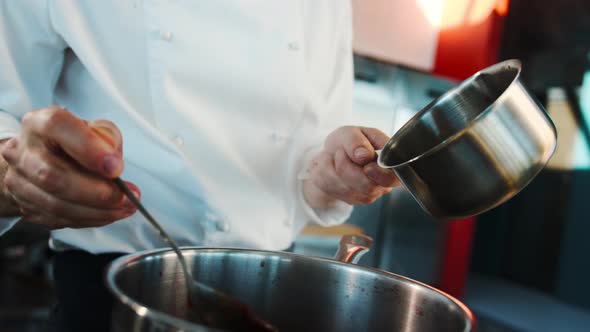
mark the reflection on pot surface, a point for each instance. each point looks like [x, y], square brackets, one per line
[293, 292]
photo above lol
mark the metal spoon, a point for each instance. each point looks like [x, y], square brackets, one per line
[210, 306]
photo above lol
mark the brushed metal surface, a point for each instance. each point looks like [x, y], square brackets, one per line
[293, 292]
[474, 147]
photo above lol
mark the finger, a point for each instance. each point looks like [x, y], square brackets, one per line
[79, 223]
[356, 145]
[363, 190]
[54, 223]
[135, 190]
[377, 138]
[66, 181]
[330, 183]
[9, 151]
[30, 213]
[44, 221]
[352, 174]
[325, 178]
[45, 203]
[109, 132]
[25, 207]
[381, 176]
[58, 127]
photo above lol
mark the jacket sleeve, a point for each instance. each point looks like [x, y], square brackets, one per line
[31, 58]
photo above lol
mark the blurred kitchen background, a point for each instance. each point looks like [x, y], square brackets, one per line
[519, 267]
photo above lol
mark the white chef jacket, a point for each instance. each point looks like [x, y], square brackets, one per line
[220, 103]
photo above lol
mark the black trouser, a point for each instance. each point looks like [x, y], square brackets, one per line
[84, 302]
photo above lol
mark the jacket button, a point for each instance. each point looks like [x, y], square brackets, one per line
[167, 36]
[222, 226]
[294, 46]
[178, 140]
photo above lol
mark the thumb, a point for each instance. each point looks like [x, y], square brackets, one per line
[109, 132]
[360, 143]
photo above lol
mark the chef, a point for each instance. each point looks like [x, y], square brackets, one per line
[229, 120]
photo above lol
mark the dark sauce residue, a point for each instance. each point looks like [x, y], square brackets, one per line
[243, 319]
[419, 311]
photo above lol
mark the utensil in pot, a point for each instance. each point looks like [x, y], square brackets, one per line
[295, 292]
[210, 306]
[474, 147]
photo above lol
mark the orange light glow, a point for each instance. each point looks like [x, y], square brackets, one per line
[502, 7]
[433, 10]
[452, 13]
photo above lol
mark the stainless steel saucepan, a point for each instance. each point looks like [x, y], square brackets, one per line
[474, 147]
[291, 291]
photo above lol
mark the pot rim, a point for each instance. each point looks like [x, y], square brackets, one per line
[512, 63]
[120, 263]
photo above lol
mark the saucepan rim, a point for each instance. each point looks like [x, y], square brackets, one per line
[120, 263]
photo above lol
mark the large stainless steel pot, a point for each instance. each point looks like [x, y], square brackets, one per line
[293, 292]
[474, 147]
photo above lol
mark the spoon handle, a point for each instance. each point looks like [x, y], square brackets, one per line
[215, 308]
[154, 223]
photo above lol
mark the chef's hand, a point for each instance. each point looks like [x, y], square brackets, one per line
[57, 171]
[346, 169]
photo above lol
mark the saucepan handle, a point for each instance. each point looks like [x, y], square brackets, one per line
[352, 248]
